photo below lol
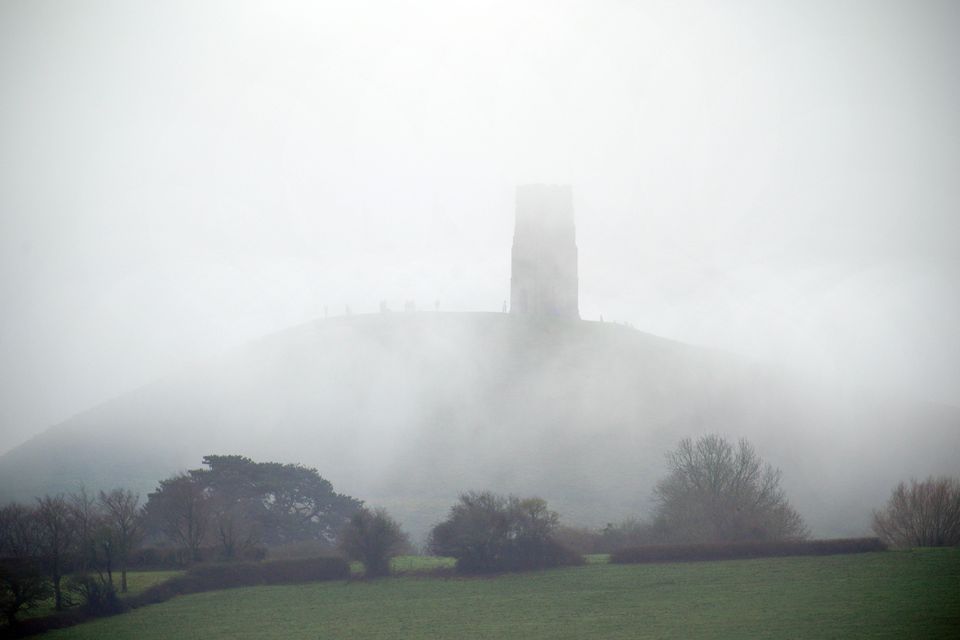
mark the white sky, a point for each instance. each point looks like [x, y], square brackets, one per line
[778, 179]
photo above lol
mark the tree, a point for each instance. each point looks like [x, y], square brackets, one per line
[103, 538]
[288, 502]
[22, 583]
[243, 502]
[105, 550]
[924, 514]
[54, 541]
[180, 509]
[486, 532]
[85, 519]
[122, 518]
[234, 528]
[716, 491]
[373, 538]
[95, 544]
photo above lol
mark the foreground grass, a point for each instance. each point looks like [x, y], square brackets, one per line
[877, 595]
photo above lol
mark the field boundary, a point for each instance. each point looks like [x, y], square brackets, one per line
[742, 550]
[203, 577]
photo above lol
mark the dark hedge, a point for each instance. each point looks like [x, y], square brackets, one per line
[202, 577]
[227, 575]
[734, 550]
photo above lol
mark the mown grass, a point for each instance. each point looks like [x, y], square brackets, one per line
[875, 595]
[405, 565]
[418, 564]
[597, 558]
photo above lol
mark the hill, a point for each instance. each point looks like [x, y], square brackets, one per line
[405, 410]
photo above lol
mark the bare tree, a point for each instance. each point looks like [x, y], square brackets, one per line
[98, 547]
[106, 550]
[716, 491]
[55, 541]
[923, 514]
[22, 583]
[85, 518]
[122, 517]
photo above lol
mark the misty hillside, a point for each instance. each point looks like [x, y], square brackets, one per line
[406, 410]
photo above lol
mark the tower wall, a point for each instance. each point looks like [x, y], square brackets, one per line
[543, 279]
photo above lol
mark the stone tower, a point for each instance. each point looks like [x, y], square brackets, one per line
[543, 280]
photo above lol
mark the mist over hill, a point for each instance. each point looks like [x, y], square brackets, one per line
[405, 410]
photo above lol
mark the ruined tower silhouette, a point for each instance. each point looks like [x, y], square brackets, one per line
[543, 280]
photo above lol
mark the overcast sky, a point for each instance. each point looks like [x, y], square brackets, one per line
[777, 179]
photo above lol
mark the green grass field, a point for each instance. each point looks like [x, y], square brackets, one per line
[878, 595]
[419, 564]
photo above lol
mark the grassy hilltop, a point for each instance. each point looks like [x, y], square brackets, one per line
[877, 595]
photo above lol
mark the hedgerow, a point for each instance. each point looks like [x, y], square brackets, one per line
[735, 550]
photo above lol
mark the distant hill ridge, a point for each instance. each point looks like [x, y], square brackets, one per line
[405, 410]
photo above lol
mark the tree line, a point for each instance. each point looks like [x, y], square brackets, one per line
[72, 548]
[226, 511]
[89, 538]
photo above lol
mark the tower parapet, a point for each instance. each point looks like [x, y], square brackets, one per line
[543, 280]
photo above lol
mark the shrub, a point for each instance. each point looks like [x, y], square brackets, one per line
[489, 533]
[734, 550]
[22, 587]
[373, 538]
[96, 597]
[23, 584]
[925, 514]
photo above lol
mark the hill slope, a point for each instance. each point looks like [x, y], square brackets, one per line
[406, 410]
